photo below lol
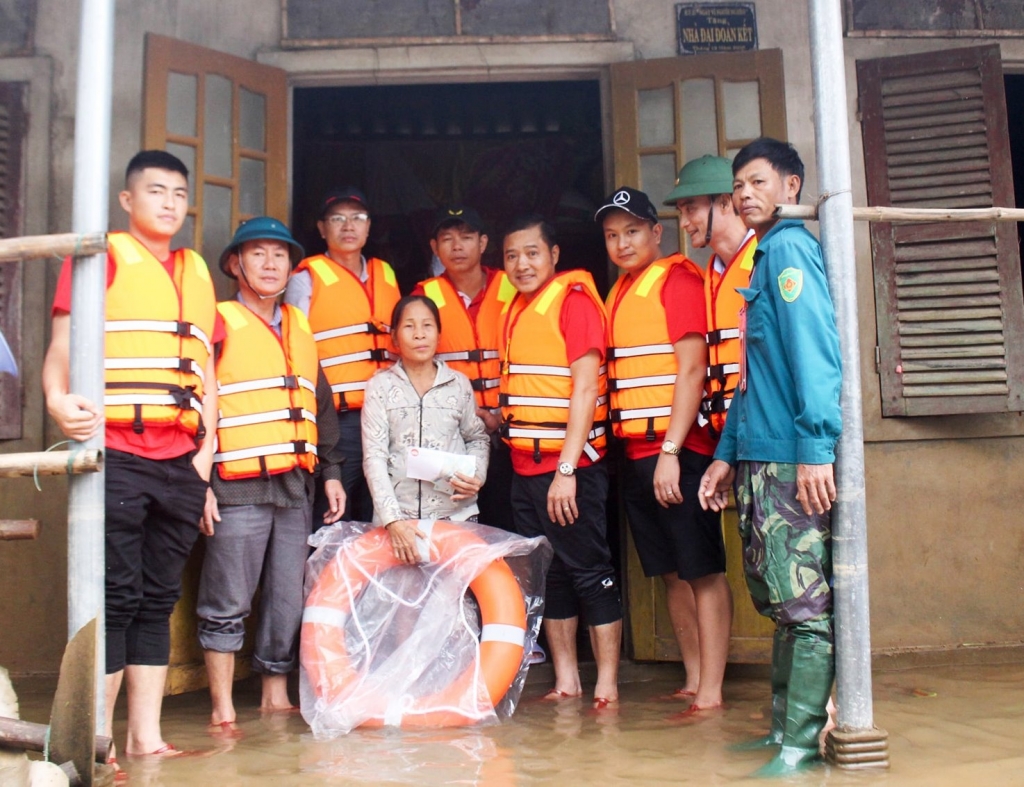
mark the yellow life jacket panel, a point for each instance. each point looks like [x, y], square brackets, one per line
[266, 386]
[642, 364]
[469, 346]
[723, 304]
[350, 323]
[536, 380]
[157, 337]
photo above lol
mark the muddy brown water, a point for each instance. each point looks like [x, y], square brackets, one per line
[947, 726]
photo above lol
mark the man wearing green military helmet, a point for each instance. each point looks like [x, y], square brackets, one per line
[703, 196]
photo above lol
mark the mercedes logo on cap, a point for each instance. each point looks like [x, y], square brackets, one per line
[621, 198]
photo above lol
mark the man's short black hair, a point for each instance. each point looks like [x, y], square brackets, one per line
[528, 222]
[782, 157]
[154, 159]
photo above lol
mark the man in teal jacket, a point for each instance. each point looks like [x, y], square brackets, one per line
[778, 447]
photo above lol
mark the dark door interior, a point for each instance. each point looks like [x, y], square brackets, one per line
[504, 148]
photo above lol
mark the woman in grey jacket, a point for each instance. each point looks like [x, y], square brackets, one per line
[419, 402]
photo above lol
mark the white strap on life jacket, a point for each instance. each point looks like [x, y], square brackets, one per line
[724, 334]
[727, 368]
[643, 413]
[114, 400]
[263, 384]
[545, 401]
[469, 355]
[549, 434]
[349, 330]
[173, 364]
[365, 355]
[616, 353]
[263, 450]
[263, 418]
[622, 383]
[158, 326]
[551, 371]
[346, 387]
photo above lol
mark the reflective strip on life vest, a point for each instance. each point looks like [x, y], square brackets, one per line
[346, 387]
[156, 363]
[554, 371]
[615, 353]
[493, 382]
[349, 330]
[263, 418]
[159, 326]
[544, 401]
[365, 355]
[191, 402]
[267, 382]
[549, 434]
[298, 447]
[713, 372]
[642, 413]
[722, 335]
[642, 382]
[469, 355]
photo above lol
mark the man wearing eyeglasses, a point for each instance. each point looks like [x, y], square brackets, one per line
[348, 299]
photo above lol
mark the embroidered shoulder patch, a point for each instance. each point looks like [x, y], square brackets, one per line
[791, 282]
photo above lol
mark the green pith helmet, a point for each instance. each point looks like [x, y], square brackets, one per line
[261, 228]
[707, 175]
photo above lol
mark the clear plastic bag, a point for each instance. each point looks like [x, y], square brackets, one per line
[385, 643]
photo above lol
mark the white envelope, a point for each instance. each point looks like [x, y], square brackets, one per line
[428, 464]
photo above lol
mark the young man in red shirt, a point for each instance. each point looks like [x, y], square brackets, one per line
[657, 360]
[554, 406]
[471, 299]
[160, 420]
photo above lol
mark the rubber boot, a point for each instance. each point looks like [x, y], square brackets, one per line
[810, 686]
[782, 663]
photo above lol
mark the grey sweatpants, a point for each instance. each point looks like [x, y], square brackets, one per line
[248, 541]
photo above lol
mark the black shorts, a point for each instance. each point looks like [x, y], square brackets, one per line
[683, 538]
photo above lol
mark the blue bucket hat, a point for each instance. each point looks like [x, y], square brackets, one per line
[261, 228]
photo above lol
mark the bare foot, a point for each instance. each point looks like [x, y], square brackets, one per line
[275, 695]
[829, 725]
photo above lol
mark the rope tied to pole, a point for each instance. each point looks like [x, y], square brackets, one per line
[827, 195]
[72, 455]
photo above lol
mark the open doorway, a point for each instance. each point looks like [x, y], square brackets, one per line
[505, 148]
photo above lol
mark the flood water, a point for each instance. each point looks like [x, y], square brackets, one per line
[947, 726]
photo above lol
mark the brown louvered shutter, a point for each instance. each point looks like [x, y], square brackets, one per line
[12, 131]
[949, 305]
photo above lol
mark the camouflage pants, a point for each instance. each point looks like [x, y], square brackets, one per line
[787, 555]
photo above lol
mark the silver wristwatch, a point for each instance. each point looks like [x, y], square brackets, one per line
[566, 469]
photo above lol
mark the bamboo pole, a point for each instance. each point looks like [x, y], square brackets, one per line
[29, 736]
[19, 529]
[38, 246]
[897, 215]
[89, 460]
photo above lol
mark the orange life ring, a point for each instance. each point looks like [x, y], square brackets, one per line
[323, 651]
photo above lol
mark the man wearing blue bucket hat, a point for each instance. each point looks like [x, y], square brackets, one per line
[277, 428]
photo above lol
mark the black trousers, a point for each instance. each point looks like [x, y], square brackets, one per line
[495, 498]
[581, 572]
[153, 508]
[358, 503]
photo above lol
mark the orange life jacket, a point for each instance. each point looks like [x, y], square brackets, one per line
[157, 339]
[642, 364]
[472, 347]
[723, 308]
[536, 381]
[266, 388]
[350, 324]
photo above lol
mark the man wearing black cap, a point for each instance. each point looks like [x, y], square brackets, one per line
[349, 300]
[471, 298]
[657, 360]
[276, 427]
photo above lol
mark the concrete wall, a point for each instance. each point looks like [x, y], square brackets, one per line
[943, 494]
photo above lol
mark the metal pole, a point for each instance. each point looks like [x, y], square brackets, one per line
[86, 566]
[849, 518]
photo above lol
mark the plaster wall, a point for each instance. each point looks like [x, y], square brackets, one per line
[945, 543]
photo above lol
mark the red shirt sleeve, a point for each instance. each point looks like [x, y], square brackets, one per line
[418, 289]
[62, 297]
[683, 297]
[582, 326]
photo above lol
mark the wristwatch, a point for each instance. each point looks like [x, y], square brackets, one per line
[668, 447]
[566, 469]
